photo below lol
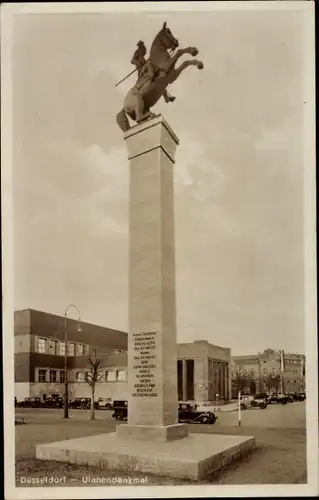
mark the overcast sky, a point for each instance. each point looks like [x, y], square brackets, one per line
[238, 174]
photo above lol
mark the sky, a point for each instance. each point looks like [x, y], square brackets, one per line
[238, 172]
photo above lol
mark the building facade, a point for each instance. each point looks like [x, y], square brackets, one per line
[262, 372]
[203, 369]
[39, 343]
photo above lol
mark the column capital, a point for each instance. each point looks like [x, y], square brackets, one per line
[150, 135]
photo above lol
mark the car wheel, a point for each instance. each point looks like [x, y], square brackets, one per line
[118, 416]
[253, 403]
[262, 406]
[243, 406]
[204, 420]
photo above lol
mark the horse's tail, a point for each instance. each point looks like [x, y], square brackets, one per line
[122, 121]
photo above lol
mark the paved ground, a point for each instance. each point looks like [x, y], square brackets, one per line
[279, 430]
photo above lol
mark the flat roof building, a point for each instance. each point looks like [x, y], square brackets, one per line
[203, 369]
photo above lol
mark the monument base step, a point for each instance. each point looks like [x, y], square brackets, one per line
[152, 432]
[193, 457]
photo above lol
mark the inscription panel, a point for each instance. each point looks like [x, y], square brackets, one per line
[144, 365]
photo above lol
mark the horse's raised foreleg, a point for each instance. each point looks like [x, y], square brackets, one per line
[179, 53]
[174, 74]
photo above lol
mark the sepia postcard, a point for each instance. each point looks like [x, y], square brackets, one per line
[159, 250]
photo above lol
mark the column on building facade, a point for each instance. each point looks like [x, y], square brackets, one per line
[221, 381]
[184, 378]
[211, 380]
[217, 391]
[225, 381]
[213, 388]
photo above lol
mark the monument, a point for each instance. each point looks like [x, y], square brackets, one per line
[152, 357]
[152, 441]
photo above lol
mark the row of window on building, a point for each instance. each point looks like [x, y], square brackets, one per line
[57, 347]
[246, 372]
[54, 376]
[105, 376]
[58, 376]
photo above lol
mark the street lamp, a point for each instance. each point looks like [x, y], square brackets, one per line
[66, 397]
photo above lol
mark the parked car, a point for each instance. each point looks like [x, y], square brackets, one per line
[189, 413]
[273, 398]
[282, 399]
[120, 410]
[104, 404]
[260, 401]
[81, 403]
[299, 397]
[52, 403]
[245, 401]
[243, 405]
[290, 398]
[32, 402]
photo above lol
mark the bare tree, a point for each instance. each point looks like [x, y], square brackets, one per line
[240, 380]
[277, 383]
[269, 381]
[92, 376]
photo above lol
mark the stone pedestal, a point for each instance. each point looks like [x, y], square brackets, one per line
[152, 352]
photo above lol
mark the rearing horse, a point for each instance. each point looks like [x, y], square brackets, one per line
[157, 73]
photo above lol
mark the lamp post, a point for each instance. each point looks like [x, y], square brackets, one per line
[66, 384]
[259, 374]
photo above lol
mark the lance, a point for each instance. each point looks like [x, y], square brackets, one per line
[134, 70]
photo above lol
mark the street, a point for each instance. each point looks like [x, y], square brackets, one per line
[275, 416]
[279, 430]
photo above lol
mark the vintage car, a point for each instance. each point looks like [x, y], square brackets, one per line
[260, 401]
[189, 413]
[32, 402]
[81, 403]
[299, 396]
[290, 398]
[120, 410]
[272, 398]
[284, 399]
[104, 404]
[52, 403]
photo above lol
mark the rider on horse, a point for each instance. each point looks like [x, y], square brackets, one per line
[146, 69]
[154, 76]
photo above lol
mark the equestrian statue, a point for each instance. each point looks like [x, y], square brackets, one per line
[153, 76]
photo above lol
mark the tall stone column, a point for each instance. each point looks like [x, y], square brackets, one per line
[152, 352]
